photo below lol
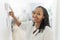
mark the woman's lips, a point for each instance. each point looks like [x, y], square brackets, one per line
[35, 18]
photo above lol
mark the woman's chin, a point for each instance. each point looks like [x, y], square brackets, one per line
[35, 21]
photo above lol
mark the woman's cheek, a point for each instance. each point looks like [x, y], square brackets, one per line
[40, 18]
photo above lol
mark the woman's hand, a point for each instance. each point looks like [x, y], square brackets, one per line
[11, 13]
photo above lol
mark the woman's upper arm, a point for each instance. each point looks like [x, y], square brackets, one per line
[25, 25]
[22, 26]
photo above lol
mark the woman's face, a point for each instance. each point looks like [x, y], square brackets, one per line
[37, 15]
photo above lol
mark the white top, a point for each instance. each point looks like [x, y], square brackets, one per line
[25, 32]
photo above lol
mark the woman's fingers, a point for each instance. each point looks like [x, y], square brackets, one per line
[11, 13]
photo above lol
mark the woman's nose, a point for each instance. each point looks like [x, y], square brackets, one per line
[35, 15]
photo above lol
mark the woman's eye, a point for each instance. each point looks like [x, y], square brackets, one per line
[38, 13]
[33, 12]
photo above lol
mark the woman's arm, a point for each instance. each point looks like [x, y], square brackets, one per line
[16, 21]
[11, 13]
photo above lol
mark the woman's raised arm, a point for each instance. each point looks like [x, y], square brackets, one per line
[11, 13]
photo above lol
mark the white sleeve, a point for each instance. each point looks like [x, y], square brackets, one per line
[23, 26]
[49, 35]
[26, 25]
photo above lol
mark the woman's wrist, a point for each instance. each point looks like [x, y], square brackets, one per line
[14, 17]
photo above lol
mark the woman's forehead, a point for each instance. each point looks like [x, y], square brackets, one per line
[38, 10]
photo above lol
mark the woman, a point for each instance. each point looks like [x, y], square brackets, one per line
[37, 29]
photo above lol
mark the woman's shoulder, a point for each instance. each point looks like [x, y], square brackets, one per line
[49, 33]
[48, 29]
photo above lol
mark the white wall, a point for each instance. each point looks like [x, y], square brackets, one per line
[58, 21]
[4, 30]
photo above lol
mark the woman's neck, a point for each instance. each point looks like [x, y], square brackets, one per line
[37, 25]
